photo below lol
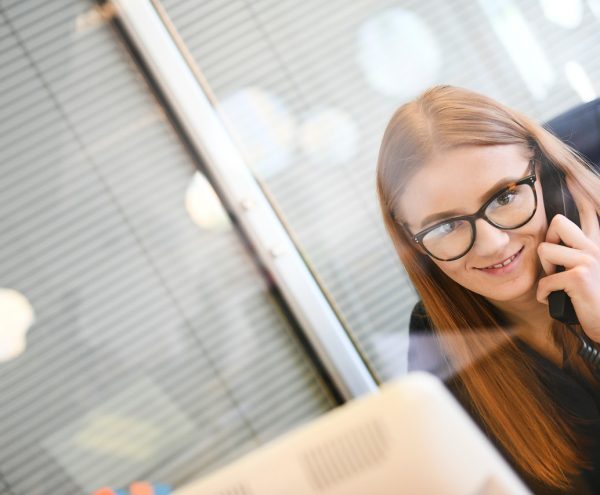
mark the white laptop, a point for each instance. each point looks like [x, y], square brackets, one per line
[412, 437]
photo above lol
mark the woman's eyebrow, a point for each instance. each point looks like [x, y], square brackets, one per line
[501, 184]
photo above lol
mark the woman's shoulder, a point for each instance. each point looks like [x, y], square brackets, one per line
[419, 320]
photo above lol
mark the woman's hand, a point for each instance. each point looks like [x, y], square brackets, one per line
[581, 258]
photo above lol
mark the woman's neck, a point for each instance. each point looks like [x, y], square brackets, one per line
[532, 323]
[528, 316]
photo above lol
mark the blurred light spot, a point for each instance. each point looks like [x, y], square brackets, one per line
[595, 7]
[204, 206]
[329, 137]
[16, 316]
[263, 128]
[398, 53]
[564, 13]
[580, 81]
[118, 436]
[523, 48]
[131, 432]
[94, 17]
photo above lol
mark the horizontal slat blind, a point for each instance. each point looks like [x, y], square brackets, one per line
[157, 351]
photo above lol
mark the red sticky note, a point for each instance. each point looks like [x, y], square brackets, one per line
[140, 488]
[104, 491]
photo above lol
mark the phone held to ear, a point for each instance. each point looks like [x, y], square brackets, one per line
[558, 200]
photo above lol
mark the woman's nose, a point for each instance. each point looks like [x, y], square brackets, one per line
[489, 240]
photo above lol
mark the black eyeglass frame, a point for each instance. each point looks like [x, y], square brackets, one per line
[529, 180]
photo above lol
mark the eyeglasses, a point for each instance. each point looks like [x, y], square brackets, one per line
[508, 209]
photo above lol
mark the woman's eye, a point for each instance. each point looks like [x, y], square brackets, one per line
[505, 198]
[447, 228]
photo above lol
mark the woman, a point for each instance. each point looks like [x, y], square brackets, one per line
[484, 280]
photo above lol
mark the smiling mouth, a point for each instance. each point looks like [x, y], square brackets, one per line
[504, 262]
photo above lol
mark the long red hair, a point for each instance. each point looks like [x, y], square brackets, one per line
[505, 392]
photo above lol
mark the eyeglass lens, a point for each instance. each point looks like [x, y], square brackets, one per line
[510, 209]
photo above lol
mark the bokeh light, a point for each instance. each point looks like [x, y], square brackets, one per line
[16, 317]
[398, 53]
[262, 127]
[329, 137]
[204, 206]
[563, 13]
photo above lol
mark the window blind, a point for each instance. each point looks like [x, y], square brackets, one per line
[157, 350]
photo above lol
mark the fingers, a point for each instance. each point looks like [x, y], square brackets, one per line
[578, 282]
[555, 254]
[588, 215]
[551, 283]
[563, 229]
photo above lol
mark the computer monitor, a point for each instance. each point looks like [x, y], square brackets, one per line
[412, 437]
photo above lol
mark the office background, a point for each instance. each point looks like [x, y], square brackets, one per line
[160, 342]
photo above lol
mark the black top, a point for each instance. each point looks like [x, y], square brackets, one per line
[570, 391]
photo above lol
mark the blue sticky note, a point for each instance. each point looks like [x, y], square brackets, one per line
[162, 490]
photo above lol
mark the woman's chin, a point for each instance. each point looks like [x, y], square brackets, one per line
[522, 285]
[520, 289]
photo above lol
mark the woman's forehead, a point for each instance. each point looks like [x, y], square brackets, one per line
[457, 180]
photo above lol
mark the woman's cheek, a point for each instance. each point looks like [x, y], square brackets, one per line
[457, 271]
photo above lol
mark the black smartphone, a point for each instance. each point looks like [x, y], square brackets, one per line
[558, 199]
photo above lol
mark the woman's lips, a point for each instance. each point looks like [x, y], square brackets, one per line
[510, 267]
